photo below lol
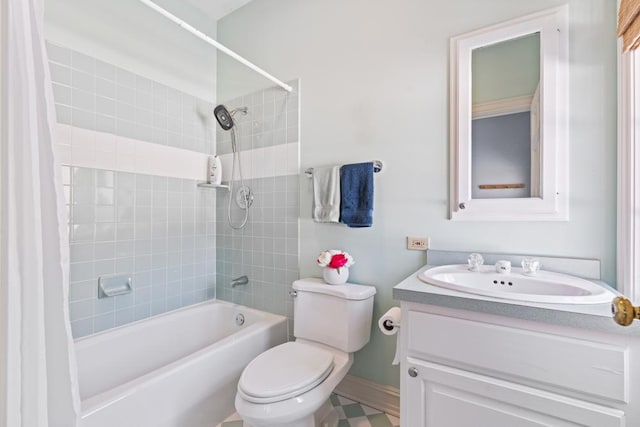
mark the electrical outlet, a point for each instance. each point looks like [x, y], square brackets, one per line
[418, 243]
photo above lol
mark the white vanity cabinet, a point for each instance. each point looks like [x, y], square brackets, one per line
[468, 369]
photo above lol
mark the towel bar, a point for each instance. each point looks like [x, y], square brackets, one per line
[377, 167]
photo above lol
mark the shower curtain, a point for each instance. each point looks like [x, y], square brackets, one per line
[39, 381]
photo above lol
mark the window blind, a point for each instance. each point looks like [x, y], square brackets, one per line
[629, 24]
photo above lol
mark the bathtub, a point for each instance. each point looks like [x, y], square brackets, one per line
[179, 369]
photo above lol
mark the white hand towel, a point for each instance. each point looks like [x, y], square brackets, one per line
[326, 194]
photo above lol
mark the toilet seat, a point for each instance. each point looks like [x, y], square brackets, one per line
[285, 371]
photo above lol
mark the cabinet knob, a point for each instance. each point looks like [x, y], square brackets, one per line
[462, 205]
[413, 372]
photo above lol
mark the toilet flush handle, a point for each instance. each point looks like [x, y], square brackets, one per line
[293, 293]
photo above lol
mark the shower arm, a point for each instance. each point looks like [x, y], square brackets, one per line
[243, 110]
[214, 43]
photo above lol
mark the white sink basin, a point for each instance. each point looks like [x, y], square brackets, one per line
[545, 287]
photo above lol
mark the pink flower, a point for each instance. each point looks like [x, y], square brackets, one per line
[338, 260]
[334, 258]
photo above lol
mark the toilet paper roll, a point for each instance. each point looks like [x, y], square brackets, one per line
[391, 317]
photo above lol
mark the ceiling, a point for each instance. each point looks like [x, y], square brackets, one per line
[216, 9]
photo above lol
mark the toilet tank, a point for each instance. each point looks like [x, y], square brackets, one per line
[335, 315]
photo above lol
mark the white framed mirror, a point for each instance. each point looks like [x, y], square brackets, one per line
[509, 120]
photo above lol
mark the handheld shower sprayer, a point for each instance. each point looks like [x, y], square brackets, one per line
[225, 117]
[225, 120]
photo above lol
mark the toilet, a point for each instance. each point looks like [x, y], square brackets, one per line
[289, 385]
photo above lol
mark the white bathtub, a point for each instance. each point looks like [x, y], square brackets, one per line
[178, 369]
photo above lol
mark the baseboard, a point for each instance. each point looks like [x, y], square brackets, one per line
[385, 398]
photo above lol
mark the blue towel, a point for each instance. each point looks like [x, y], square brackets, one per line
[356, 194]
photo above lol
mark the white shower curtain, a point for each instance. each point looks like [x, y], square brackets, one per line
[39, 381]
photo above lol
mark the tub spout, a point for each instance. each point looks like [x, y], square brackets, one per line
[242, 280]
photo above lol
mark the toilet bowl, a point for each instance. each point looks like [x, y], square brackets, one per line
[289, 385]
[302, 389]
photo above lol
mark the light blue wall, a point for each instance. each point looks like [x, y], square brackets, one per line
[375, 78]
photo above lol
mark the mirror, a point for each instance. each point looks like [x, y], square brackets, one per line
[508, 120]
[505, 78]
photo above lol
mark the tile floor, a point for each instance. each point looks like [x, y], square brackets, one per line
[352, 414]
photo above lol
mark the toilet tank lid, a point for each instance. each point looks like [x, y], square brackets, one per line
[346, 291]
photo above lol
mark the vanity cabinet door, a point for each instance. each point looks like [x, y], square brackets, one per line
[588, 368]
[441, 396]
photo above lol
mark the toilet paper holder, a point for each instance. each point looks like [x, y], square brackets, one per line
[389, 325]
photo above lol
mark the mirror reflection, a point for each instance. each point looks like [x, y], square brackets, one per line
[505, 128]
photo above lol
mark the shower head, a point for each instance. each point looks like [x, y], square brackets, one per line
[225, 117]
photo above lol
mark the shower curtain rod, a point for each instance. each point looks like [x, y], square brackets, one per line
[214, 43]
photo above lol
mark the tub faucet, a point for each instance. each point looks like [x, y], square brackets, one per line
[242, 280]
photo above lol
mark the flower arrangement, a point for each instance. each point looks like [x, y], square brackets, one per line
[335, 258]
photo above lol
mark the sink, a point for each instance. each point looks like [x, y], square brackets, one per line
[544, 287]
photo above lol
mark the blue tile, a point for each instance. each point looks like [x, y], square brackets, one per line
[60, 74]
[58, 54]
[142, 311]
[80, 309]
[124, 316]
[82, 290]
[83, 118]
[125, 78]
[106, 88]
[81, 328]
[142, 295]
[82, 62]
[62, 94]
[82, 80]
[105, 70]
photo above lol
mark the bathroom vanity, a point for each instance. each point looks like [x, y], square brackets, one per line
[474, 360]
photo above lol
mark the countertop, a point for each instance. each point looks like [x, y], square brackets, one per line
[596, 317]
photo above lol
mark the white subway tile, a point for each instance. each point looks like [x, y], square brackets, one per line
[64, 134]
[247, 159]
[85, 138]
[125, 163]
[293, 159]
[83, 156]
[125, 146]
[106, 142]
[106, 160]
[64, 154]
[279, 159]
[104, 150]
[226, 160]
[258, 164]
[269, 161]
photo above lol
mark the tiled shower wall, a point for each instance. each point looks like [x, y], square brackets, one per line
[95, 95]
[152, 227]
[266, 250]
[157, 228]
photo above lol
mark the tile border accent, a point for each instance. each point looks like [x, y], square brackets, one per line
[277, 160]
[100, 150]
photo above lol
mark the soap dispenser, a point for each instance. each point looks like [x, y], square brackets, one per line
[214, 170]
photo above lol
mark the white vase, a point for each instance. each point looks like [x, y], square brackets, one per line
[335, 276]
